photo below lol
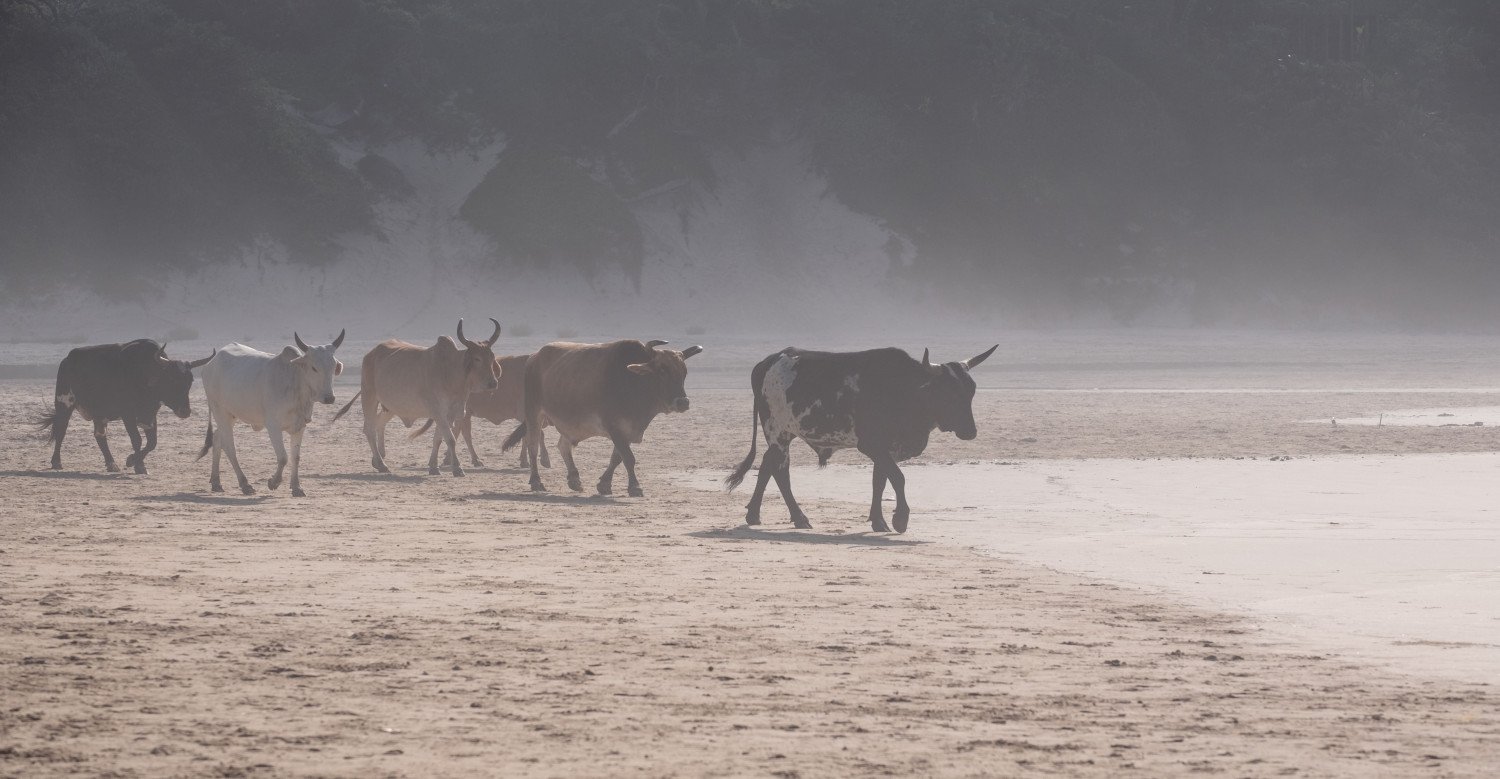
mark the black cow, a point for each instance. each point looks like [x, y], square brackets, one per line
[128, 382]
[881, 402]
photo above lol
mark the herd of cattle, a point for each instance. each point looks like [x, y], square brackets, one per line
[882, 402]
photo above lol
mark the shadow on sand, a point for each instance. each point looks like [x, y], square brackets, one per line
[214, 500]
[67, 475]
[571, 499]
[376, 477]
[748, 533]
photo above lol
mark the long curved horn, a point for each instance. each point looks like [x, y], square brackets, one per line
[652, 344]
[337, 342]
[973, 361]
[461, 338]
[691, 350]
[297, 339]
[202, 362]
[496, 336]
[161, 353]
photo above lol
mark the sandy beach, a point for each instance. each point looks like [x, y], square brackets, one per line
[408, 625]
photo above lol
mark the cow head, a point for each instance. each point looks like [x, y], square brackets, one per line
[170, 380]
[317, 365]
[950, 393]
[666, 372]
[481, 370]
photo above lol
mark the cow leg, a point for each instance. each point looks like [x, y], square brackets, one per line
[565, 448]
[451, 437]
[886, 464]
[279, 446]
[375, 423]
[606, 484]
[466, 427]
[226, 432]
[297, 464]
[109, 459]
[769, 462]
[148, 426]
[541, 448]
[217, 444]
[134, 431]
[622, 450]
[877, 519]
[62, 412]
[783, 477]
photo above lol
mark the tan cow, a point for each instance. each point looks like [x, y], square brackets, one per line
[498, 405]
[412, 382]
[588, 390]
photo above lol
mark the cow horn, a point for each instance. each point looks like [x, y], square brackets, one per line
[202, 362]
[655, 342]
[973, 361]
[161, 353]
[297, 339]
[461, 338]
[927, 364]
[496, 336]
[691, 350]
[337, 342]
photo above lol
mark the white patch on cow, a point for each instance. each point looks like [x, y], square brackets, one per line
[783, 423]
[67, 400]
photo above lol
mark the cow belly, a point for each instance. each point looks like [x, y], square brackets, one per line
[579, 429]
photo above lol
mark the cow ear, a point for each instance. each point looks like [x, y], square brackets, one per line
[641, 368]
[289, 354]
[338, 368]
[973, 361]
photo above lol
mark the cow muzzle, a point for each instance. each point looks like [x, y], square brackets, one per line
[184, 412]
[328, 400]
[680, 405]
[967, 435]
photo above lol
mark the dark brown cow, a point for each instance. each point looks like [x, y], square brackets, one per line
[404, 380]
[497, 405]
[588, 390]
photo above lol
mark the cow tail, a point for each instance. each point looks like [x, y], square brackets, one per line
[350, 405]
[420, 430]
[733, 480]
[208, 440]
[514, 438]
[46, 423]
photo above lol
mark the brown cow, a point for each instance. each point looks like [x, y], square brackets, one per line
[405, 380]
[498, 405]
[588, 390]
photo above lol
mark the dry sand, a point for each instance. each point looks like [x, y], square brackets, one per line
[409, 625]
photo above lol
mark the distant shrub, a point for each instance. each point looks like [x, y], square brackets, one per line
[180, 333]
[521, 331]
[567, 332]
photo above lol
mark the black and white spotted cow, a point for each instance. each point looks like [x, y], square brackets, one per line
[882, 402]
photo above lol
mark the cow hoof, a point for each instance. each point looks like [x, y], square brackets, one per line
[434, 471]
[605, 488]
[215, 487]
[273, 482]
[111, 467]
[752, 519]
[536, 486]
[459, 472]
[57, 465]
[899, 519]
[575, 485]
[379, 466]
[478, 463]
[140, 467]
[247, 489]
[298, 493]
[802, 524]
[877, 525]
[635, 492]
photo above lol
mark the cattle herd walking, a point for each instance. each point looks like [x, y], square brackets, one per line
[881, 402]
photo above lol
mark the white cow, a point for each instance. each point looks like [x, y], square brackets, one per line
[271, 391]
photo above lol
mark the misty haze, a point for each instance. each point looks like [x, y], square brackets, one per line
[403, 387]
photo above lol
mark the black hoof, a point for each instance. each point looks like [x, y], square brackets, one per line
[459, 472]
[111, 467]
[140, 467]
[802, 524]
[298, 493]
[635, 492]
[752, 519]
[273, 483]
[434, 472]
[247, 489]
[899, 520]
[536, 486]
[605, 489]
[215, 487]
[575, 485]
[57, 465]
